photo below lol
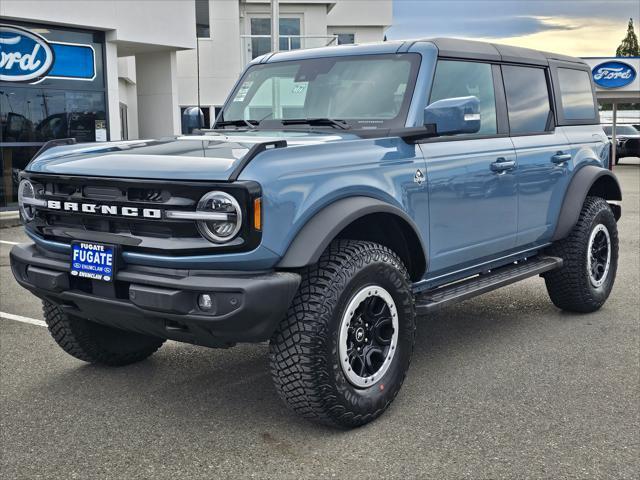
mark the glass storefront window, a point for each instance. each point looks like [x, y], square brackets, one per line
[39, 115]
[54, 107]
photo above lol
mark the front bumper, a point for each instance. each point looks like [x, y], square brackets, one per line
[247, 307]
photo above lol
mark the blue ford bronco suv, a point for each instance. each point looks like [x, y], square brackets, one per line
[342, 193]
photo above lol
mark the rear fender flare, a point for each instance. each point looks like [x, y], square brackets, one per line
[585, 180]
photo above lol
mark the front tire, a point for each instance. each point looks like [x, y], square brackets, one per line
[343, 351]
[96, 343]
[590, 255]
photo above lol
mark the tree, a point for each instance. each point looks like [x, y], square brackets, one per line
[629, 46]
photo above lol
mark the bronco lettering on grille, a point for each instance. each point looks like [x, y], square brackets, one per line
[104, 209]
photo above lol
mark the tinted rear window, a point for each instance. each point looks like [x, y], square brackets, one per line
[575, 94]
[527, 99]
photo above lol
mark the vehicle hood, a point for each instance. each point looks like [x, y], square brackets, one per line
[213, 156]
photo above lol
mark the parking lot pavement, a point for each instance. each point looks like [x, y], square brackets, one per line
[502, 386]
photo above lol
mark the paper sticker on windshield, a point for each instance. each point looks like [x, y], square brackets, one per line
[242, 92]
[299, 88]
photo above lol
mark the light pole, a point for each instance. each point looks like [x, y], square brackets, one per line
[275, 25]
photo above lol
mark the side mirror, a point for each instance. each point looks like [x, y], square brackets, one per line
[452, 116]
[192, 119]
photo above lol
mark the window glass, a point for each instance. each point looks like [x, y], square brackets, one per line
[624, 130]
[261, 35]
[527, 99]
[462, 79]
[202, 19]
[575, 94]
[346, 38]
[39, 115]
[369, 91]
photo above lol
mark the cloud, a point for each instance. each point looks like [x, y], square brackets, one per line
[496, 27]
[586, 38]
[584, 28]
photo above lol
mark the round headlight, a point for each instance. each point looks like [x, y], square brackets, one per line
[225, 226]
[26, 200]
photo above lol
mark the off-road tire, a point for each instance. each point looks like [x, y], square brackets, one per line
[570, 287]
[96, 343]
[304, 350]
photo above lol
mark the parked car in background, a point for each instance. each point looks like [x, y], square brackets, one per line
[627, 140]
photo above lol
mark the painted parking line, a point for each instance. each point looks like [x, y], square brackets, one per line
[20, 318]
[7, 242]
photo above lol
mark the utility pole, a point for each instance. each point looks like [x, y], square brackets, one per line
[275, 25]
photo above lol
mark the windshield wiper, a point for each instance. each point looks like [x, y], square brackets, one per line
[321, 122]
[238, 123]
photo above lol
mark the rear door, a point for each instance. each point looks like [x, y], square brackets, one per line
[471, 178]
[542, 150]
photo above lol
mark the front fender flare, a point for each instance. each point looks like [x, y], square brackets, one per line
[581, 183]
[314, 237]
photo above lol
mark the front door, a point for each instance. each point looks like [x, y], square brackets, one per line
[473, 208]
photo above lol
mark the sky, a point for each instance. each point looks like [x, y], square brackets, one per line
[583, 28]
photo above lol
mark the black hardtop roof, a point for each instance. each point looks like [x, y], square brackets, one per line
[474, 50]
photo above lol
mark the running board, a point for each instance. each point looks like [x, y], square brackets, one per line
[440, 297]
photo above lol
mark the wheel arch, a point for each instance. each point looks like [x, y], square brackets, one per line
[590, 180]
[358, 218]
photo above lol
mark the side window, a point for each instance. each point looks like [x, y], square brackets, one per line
[576, 95]
[527, 99]
[463, 79]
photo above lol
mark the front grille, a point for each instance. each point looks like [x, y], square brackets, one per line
[152, 235]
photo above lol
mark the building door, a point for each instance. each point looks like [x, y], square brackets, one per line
[124, 122]
[260, 34]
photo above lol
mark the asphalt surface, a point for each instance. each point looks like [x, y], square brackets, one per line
[501, 386]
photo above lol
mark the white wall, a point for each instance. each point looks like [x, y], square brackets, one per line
[160, 23]
[220, 59]
[361, 34]
[157, 87]
[362, 13]
[151, 30]
[128, 93]
[221, 56]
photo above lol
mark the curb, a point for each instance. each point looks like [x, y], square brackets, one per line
[9, 219]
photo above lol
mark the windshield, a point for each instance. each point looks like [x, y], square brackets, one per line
[366, 91]
[621, 130]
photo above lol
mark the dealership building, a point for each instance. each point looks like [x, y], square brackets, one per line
[126, 69]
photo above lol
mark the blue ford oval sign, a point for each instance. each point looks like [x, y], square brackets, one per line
[613, 74]
[24, 55]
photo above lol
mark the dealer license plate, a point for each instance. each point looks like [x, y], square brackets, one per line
[93, 260]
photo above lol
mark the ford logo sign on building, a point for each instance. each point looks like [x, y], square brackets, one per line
[24, 56]
[613, 74]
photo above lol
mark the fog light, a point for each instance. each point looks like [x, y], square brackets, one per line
[205, 301]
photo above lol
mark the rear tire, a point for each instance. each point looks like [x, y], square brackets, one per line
[590, 255]
[96, 343]
[343, 351]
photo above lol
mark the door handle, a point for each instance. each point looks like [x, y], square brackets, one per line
[561, 157]
[501, 165]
